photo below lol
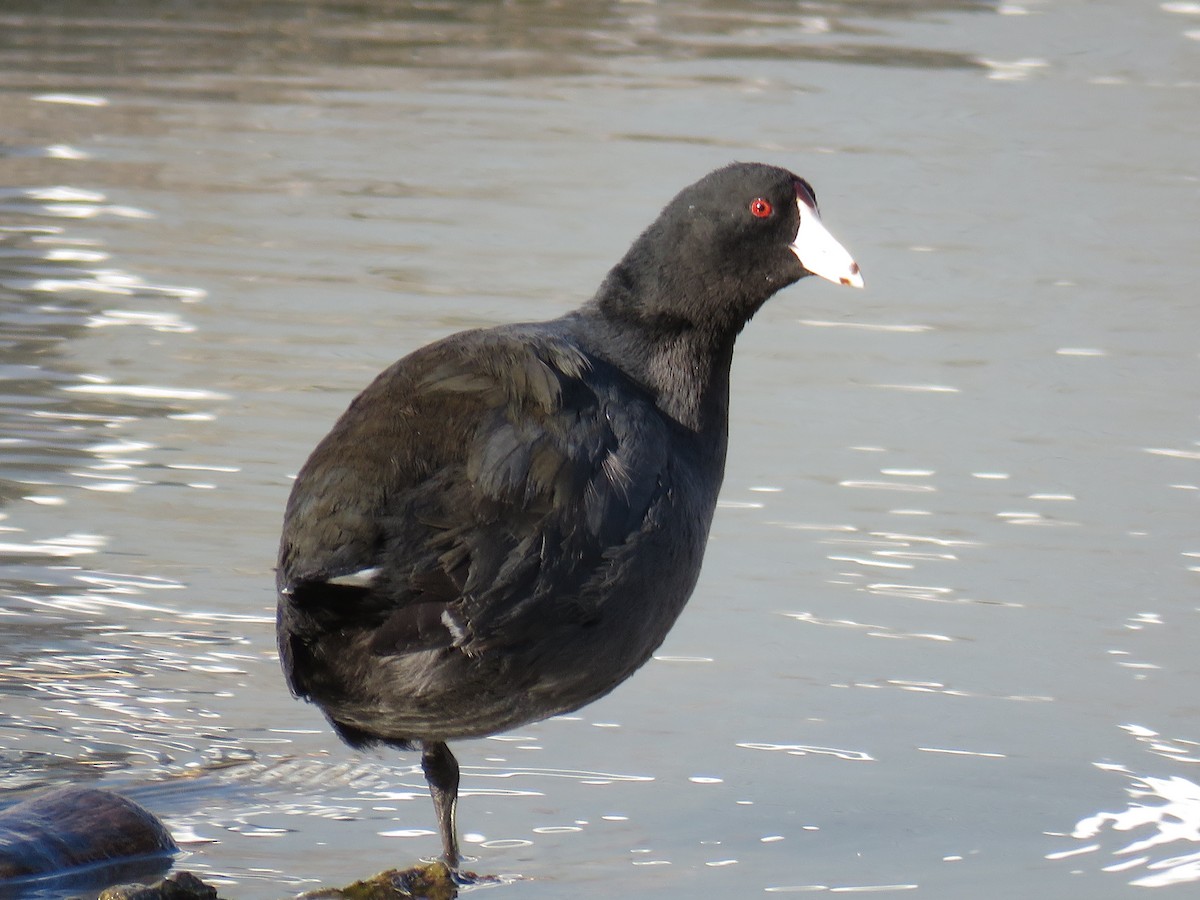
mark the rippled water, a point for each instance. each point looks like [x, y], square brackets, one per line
[944, 641]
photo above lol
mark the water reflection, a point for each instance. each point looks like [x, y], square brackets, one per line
[289, 48]
[805, 750]
[50, 295]
[1155, 833]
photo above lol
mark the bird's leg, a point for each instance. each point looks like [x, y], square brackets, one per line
[441, 771]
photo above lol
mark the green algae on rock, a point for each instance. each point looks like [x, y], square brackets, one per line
[432, 881]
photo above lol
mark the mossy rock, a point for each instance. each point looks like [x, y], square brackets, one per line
[180, 886]
[433, 881]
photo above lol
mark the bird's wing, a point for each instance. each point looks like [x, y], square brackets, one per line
[472, 496]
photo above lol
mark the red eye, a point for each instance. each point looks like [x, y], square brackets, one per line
[760, 207]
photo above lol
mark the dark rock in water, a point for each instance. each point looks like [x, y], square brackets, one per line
[180, 886]
[74, 828]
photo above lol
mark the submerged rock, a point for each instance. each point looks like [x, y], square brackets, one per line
[74, 827]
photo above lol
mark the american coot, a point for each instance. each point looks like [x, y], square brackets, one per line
[505, 524]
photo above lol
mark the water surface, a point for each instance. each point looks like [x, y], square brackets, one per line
[943, 645]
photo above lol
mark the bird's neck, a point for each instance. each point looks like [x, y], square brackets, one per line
[686, 369]
[690, 378]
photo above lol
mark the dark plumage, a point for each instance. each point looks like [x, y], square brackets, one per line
[505, 524]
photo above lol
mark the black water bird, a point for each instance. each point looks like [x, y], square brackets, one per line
[505, 524]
